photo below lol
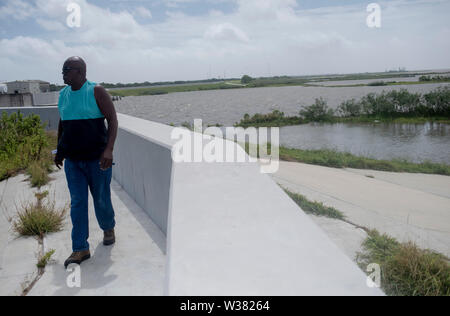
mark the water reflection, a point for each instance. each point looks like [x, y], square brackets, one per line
[414, 142]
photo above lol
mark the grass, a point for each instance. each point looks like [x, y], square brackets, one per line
[25, 146]
[335, 159]
[171, 89]
[315, 208]
[276, 118]
[42, 263]
[406, 270]
[40, 218]
[39, 170]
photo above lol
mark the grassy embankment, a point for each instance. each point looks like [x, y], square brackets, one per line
[406, 270]
[147, 88]
[335, 159]
[233, 84]
[25, 146]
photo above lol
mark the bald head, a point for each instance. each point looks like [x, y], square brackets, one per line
[76, 62]
[74, 71]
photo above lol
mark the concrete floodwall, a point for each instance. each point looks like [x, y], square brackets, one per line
[48, 114]
[231, 230]
[144, 169]
[45, 98]
[16, 100]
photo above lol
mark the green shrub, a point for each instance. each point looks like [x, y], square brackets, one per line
[42, 263]
[318, 112]
[37, 219]
[246, 79]
[377, 83]
[438, 102]
[276, 118]
[22, 142]
[406, 270]
[350, 108]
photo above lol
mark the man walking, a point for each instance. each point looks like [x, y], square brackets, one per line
[87, 147]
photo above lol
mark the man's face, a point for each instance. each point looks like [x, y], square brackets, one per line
[70, 72]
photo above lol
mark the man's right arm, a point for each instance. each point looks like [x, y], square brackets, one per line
[59, 130]
[58, 159]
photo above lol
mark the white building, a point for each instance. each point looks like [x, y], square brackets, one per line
[27, 86]
[28, 93]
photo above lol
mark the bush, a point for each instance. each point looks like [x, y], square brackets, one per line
[406, 269]
[318, 112]
[350, 108]
[437, 102]
[392, 104]
[276, 118]
[38, 172]
[22, 142]
[246, 79]
[377, 84]
[37, 219]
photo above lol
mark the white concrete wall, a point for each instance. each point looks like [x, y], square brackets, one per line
[23, 87]
[230, 229]
[45, 98]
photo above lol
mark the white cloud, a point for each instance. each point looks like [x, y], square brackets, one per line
[143, 12]
[226, 31]
[17, 9]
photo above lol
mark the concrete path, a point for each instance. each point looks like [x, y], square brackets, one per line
[135, 265]
[18, 256]
[409, 207]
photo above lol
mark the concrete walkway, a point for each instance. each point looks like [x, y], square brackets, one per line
[135, 265]
[409, 207]
[18, 256]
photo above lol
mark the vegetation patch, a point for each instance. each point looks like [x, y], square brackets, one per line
[24, 145]
[276, 118]
[406, 270]
[172, 89]
[39, 218]
[45, 259]
[395, 106]
[336, 159]
[315, 208]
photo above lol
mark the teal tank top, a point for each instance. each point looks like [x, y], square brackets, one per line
[80, 104]
[84, 134]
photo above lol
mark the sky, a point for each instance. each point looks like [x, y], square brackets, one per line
[167, 40]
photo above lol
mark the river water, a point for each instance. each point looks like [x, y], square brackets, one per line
[415, 142]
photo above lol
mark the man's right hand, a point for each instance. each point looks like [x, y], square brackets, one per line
[59, 162]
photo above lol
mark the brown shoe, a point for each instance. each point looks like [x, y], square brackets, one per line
[109, 238]
[77, 258]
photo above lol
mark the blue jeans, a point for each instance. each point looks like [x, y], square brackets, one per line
[80, 175]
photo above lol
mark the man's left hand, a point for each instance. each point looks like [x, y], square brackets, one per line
[106, 159]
